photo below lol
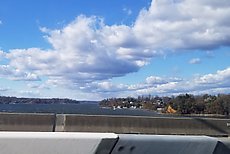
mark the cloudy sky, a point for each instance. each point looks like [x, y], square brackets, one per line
[90, 50]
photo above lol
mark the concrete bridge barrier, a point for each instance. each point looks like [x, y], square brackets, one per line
[115, 124]
[134, 135]
[107, 143]
[26, 122]
[143, 125]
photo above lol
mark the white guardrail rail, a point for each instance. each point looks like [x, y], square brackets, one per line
[108, 143]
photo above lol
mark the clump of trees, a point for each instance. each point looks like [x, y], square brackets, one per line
[183, 104]
[205, 104]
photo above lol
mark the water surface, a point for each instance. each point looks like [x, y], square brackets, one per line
[81, 108]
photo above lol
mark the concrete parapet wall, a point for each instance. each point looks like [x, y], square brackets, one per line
[168, 144]
[114, 124]
[145, 125]
[107, 143]
[56, 143]
[26, 122]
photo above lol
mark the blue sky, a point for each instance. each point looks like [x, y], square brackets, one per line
[90, 50]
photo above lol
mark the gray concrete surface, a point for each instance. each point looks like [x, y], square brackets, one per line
[56, 143]
[167, 144]
[115, 124]
[26, 122]
[144, 125]
[107, 143]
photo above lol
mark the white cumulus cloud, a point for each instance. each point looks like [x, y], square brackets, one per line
[181, 25]
[209, 83]
[86, 53]
[214, 83]
[7, 71]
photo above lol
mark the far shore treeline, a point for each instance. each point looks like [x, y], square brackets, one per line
[15, 100]
[181, 104]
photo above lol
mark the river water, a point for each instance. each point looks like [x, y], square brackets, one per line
[81, 108]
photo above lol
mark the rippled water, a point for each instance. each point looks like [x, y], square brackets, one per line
[82, 108]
